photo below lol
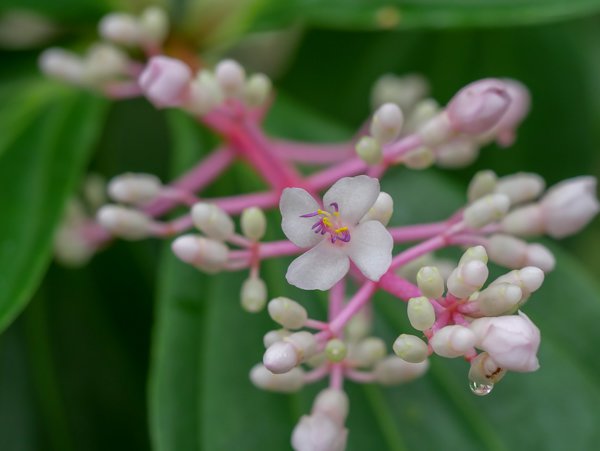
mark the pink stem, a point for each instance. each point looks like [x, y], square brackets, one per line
[336, 378]
[398, 286]
[278, 248]
[313, 153]
[316, 324]
[336, 299]
[414, 252]
[358, 301]
[417, 232]
[316, 374]
[363, 377]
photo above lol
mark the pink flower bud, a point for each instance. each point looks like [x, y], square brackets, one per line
[333, 403]
[319, 432]
[284, 355]
[479, 106]
[452, 341]
[165, 81]
[512, 341]
[520, 102]
[568, 206]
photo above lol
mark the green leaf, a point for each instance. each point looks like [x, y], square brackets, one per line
[38, 171]
[403, 14]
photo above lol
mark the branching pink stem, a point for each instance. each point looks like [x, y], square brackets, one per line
[363, 377]
[310, 153]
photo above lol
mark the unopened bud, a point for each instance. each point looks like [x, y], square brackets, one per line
[154, 25]
[368, 351]
[63, 65]
[257, 90]
[452, 341]
[421, 113]
[134, 188]
[231, 77]
[335, 350]
[333, 403]
[420, 158]
[508, 251]
[203, 253]
[430, 282]
[212, 220]
[524, 221]
[165, 81]
[410, 348]
[358, 327]
[393, 370]
[474, 253]
[404, 91]
[528, 279]
[289, 382]
[288, 313]
[482, 184]
[120, 28]
[540, 256]
[387, 123]
[284, 355]
[369, 150]
[485, 371]
[382, 209]
[124, 222]
[253, 223]
[205, 93]
[436, 130]
[104, 62]
[457, 153]
[521, 187]
[467, 279]
[486, 210]
[253, 294]
[274, 336]
[420, 313]
[499, 299]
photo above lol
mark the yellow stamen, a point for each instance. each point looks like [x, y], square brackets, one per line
[341, 229]
[336, 213]
[327, 222]
[323, 212]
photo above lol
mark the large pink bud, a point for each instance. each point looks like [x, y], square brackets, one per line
[165, 81]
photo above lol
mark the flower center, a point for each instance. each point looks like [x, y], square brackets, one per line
[330, 223]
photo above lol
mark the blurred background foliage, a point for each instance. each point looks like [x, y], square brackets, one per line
[136, 350]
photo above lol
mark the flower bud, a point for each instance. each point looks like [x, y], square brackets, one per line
[231, 77]
[70, 247]
[568, 206]
[474, 253]
[521, 187]
[333, 403]
[368, 351]
[467, 278]
[205, 93]
[120, 28]
[382, 209]
[524, 221]
[485, 371]
[94, 191]
[212, 220]
[253, 223]
[430, 282]
[387, 123]
[63, 65]
[410, 348]
[274, 336]
[289, 382]
[420, 313]
[499, 299]
[124, 222]
[165, 81]
[482, 184]
[393, 370]
[457, 153]
[319, 432]
[540, 256]
[284, 355]
[528, 279]
[422, 112]
[479, 106]
[520, 102]
[257, 90]
[154, 25]
[436, 130]
[288, 313]
[452, 341]
[486, 210]
[508, 251]
[404, 91]
[420, 158]
[133, 188]
[203, 253]
[369, 150]
[358, 327]
[253, 294]
[335, 350]
[104, 62]
[511, 341]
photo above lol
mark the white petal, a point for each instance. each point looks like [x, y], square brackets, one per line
[370, 248]
[354, 196]
[319, 268]
[294, 203]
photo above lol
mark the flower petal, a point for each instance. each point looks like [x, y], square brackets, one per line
[370, 249]
[320, 268]
[294, 203]
[354, 196]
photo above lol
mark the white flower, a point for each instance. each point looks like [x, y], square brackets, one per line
[319, 432]
[334, 233]
[512, 341]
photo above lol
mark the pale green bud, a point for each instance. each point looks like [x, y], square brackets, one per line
[410, 348]
[420, 313]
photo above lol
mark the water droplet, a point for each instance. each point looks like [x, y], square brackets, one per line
[480, 389]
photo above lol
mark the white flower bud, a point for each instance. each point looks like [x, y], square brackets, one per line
[104, 62]
[289, 382]
[134, 189]
[274, 336]
[70, 248]
[499, 299]
[423, 111]
[205, 93]
[528, 279]
[393, 370]
[457, 153]
[368, 351]
[387, 123]
[369, 150]
[508, 251]
[430, 282]
[382, 209]
[335, 350]
[124, 222]
[358, 327]
[154, 25]
[521, 187]
[253, 223]
[452, 341]
[482, 184]
[257, 90]
[420, 158]
[63, 65]
[231, 77]
[420, 313]
[203, 253]
[253, 294]
[524, 221]
[333, 403]
[284, 355]
[486, 210]
[212, 220]
[288, 313]
[404, 91]
[540, 256]
[410, 348]
[94, 190]
[467, 279]
[436, 130]
[120, 28]
[485, 371]
[474, 253]
[319, 432]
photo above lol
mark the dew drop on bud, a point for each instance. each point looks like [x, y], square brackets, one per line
[480, 389]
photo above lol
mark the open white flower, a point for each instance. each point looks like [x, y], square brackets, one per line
[336, 237]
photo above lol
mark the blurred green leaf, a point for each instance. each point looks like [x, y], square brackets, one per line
[38, 172]
[401, 14]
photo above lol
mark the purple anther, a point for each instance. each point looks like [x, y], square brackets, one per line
[335, 206]
[310, 215]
